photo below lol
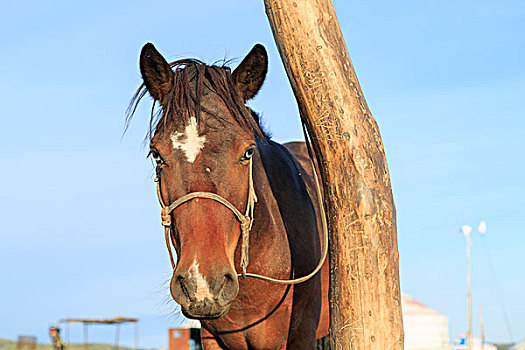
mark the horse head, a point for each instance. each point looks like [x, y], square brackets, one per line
[204, 140]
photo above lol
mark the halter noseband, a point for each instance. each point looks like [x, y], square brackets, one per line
[246, 220]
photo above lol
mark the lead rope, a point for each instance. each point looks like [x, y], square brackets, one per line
[323, 224]
[246, 220]
[250, 206]
[166, 220]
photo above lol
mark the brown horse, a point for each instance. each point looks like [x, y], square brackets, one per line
[204, 139]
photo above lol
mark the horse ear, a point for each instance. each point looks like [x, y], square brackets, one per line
[156, 72]
[249, 76]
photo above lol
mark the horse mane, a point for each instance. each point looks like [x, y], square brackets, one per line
[192, 79]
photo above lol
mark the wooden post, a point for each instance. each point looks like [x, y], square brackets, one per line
[365, 300]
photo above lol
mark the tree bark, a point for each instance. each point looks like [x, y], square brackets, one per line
[365, 299]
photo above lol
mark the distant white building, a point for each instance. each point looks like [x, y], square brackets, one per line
[519, 346]
[425, 329]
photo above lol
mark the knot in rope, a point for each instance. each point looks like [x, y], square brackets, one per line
[166, 217]
[246, 224]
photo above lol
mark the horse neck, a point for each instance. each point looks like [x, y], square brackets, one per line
[268, 232]
[284, 224]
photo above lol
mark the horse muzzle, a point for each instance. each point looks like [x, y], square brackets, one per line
[202, 298]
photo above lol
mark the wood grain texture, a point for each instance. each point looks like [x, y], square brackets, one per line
[365, 300]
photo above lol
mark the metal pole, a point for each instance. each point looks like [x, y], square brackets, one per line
[466, 231]
[482, 326]
[117, 335]
[136, 335]
[469, 298]
[85, 335]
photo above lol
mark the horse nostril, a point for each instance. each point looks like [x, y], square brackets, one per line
[228, 281]
[229, 287]
[229, 277]
[180, 279]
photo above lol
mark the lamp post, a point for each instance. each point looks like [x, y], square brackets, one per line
[482, 326]
[466, 231]
[482, 229]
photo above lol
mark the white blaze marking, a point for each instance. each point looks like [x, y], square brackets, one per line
[189, 141]
[203, 290]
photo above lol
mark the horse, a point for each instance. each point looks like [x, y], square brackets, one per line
[213, 159]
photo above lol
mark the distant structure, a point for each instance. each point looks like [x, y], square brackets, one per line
[26, 342]
[460, 343]
[186, 337]
[519, 346]
[425, 328]
[56, 341]
[117, 321]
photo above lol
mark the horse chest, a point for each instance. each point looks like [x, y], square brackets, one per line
[258, 319]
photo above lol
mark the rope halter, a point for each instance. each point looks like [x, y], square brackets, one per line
[245, 220]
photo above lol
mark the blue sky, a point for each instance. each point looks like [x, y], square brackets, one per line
[80, 233]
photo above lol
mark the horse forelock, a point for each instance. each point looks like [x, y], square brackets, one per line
[193, 80]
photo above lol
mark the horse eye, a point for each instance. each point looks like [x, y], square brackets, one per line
[249, 153]
[156, 157]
